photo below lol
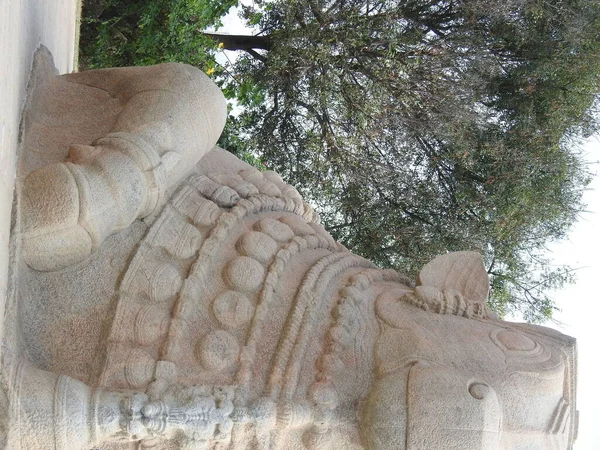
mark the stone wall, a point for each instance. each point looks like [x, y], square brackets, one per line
[24, 25]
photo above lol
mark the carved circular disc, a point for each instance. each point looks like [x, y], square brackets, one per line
[277, 230]
[516, 341]
[189, 242]
[258, 245]
[245, 274]
[166, 282]
[298, 225]
[479, 390]
[139, 368]
[151, 323]
[233, 309]
[218, 350]
[323, 393]
[206, 214]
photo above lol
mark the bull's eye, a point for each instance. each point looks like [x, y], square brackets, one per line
[478, 390]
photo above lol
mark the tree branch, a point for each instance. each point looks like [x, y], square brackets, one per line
[242, 42]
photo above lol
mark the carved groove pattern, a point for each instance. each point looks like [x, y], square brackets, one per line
[267, 296]
[243, 274]
[303, 317]
[445, 302]
[342, 333]
[178, 248]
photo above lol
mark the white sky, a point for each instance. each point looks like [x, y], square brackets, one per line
[577, 317]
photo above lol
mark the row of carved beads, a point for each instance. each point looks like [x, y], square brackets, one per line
[226, 190]
[247, 192]
[173, 243]
[245, 275]
[337, 356]
[151, 286]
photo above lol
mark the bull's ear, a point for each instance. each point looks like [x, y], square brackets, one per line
[463, 272]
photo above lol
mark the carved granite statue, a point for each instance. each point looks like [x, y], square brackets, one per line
[166, 295]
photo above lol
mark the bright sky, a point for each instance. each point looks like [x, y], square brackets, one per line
[577, 316]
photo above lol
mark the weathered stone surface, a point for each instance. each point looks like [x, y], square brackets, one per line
[24, 26]
[155, 136]
[165, 304]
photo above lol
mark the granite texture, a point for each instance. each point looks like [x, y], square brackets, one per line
[169, 296]
[24, 26]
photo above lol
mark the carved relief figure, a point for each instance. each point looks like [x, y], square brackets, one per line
[168, 296]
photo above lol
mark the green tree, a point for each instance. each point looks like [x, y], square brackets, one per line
[116, 33]
[426, 126]
[415, 126]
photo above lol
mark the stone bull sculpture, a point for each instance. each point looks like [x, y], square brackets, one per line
[166, 295]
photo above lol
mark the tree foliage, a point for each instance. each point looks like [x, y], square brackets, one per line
[416, 126]
[116, 33]
[425, 126]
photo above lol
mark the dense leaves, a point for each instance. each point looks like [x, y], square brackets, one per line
[416, 126]
[142, 32]
[420, 127]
